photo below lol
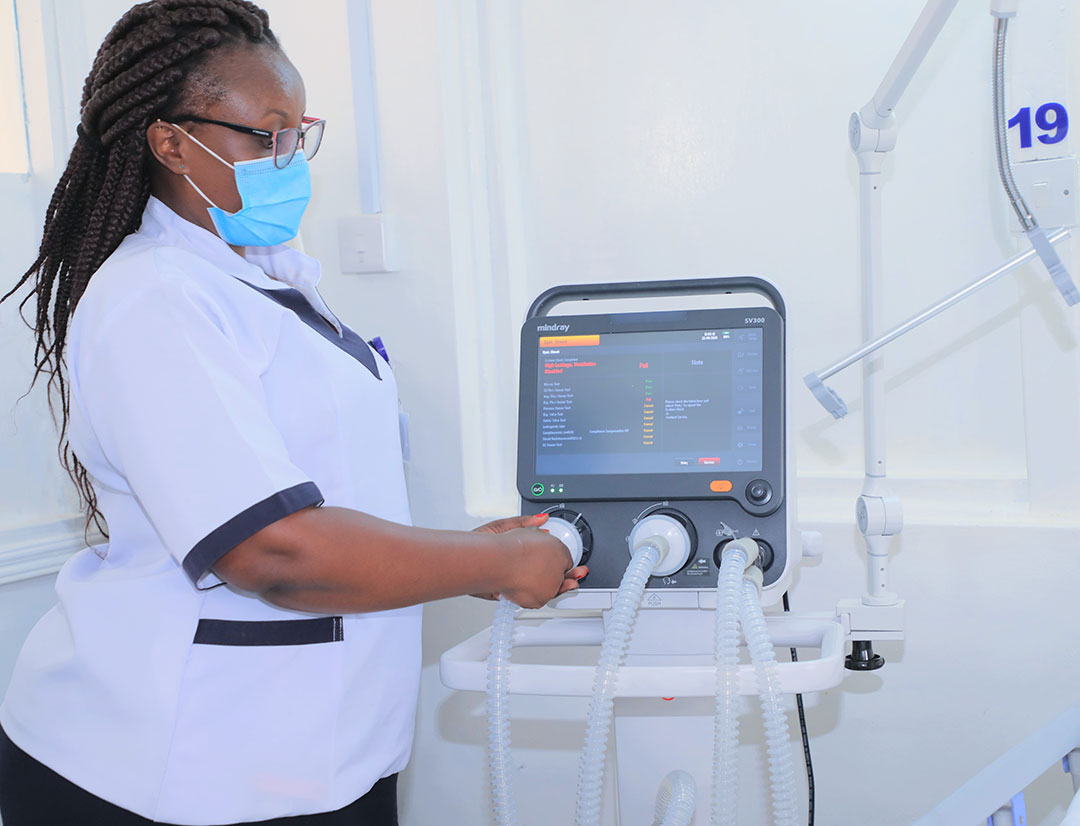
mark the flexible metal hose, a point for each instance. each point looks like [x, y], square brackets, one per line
[1001, 131]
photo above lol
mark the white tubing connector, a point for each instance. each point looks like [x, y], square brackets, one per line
[676, 548]
[747, 545]
[660, 543]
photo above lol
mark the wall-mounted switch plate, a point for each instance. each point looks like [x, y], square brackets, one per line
[366, 243]
[1049, 188]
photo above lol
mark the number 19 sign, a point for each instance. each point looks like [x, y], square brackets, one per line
[1051, 119]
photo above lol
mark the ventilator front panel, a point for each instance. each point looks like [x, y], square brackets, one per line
[622, 415]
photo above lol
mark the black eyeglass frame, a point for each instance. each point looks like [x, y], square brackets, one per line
[306, 124]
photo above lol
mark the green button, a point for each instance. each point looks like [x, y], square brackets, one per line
[537, 489]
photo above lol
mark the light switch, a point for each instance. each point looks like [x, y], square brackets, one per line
[366, 243]
[1049, 188]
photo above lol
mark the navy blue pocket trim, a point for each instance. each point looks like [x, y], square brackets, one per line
[247, 523]
[270, 632]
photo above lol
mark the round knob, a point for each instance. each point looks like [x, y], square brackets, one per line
[759, 492]
[568, 535]
[573, 531]
[673, 531]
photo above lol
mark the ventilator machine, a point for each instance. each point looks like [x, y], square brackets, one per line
[655, 442]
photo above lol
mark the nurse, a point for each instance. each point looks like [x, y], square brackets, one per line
[246, 646]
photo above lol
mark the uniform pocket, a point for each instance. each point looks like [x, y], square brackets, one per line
[256, 726]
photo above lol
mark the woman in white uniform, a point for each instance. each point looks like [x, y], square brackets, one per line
[246, 646]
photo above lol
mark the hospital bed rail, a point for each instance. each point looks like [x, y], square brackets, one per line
[987, 795]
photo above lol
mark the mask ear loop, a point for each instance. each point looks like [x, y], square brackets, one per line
[195, 186]
[187, 176]
[187, 134]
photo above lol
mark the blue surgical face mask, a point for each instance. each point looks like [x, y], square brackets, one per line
[273, 200]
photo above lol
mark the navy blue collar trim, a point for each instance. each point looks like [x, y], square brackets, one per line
[348, 341]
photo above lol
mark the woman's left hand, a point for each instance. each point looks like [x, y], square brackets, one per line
[534, 521]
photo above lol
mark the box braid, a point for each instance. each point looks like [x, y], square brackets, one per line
[150, 65]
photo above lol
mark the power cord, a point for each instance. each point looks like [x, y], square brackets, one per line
[805, 735]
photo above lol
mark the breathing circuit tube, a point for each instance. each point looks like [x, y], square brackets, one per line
[738, 599]
[777, 735]
[616, 639]
[675, 800]
[677, 795]
[498, 708]
[736, 557]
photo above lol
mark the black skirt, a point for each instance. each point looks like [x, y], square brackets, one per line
[32, 794]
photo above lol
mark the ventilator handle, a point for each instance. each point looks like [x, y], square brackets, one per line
[719, 285]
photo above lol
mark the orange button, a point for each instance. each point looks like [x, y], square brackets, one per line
[720, 486]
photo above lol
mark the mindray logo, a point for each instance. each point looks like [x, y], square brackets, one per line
[553, 328]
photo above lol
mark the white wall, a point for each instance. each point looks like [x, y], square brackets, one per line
[30, 480]
[527, 144]
[640, 140]
[39, 525]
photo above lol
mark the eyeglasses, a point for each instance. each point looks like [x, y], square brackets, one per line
[284, 141]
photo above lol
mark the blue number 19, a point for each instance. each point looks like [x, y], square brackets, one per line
[1055, 128]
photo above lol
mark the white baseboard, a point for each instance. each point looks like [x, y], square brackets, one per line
[40, 550]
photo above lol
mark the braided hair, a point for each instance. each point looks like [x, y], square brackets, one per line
[154, 62]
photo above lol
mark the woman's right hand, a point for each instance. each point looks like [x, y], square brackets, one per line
[540, 567]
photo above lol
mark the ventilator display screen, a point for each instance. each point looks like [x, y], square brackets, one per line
[666, 401]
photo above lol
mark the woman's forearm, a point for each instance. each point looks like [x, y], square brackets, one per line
[336, 560]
